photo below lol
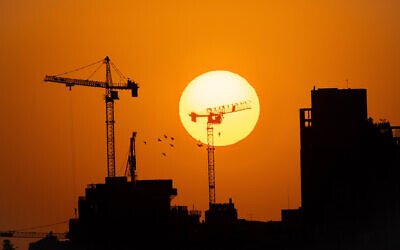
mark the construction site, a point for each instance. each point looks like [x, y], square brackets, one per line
[350, 193]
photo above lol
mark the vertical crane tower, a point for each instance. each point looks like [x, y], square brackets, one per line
[131, 163]
[214, 116]
[110, 95]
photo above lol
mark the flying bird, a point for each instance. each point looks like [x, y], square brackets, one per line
[159, 139]
[199, 145]
[172, 145]
[219, 133]
[165, 136]
[164, 154]
[172, 138]
[145, 142]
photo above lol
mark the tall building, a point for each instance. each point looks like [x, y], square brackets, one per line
[120, 214]
[349, 168]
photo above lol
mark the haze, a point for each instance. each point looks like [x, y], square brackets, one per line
[283, 48]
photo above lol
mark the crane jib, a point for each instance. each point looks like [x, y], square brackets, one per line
[90, 83]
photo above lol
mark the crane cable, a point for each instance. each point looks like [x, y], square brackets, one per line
[94, 72]
[36, 227]
[72, 140]
[121, 76]
[83, 67]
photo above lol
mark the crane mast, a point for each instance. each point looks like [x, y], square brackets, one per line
[109, 98]
[211, 169]
[214, 116]
[131, 164]
[110, 95]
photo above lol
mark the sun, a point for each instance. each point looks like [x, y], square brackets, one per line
[217, 89]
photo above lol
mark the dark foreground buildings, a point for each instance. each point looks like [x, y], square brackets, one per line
[350, 173]
[350, 190]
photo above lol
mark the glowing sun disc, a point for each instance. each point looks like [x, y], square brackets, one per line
[215, 89]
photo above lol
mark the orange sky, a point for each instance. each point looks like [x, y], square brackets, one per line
[283, 49]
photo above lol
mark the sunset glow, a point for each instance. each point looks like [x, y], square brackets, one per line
[273, 53]
[214, 89]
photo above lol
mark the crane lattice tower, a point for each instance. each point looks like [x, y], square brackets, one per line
[214, 116]
[110, 95]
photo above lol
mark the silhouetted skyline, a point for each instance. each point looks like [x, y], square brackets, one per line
[349, 187]
[52, 139]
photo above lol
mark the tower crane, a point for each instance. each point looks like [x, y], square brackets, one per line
[214, 116]
[110, 95]
[22, 233]
[16, 234]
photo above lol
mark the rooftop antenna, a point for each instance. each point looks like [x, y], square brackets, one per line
[347, 83]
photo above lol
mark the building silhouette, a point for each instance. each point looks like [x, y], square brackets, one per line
[121, 213]
[349, 173]
[350, 195]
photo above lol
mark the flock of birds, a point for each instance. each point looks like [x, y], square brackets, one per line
[171, 140]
